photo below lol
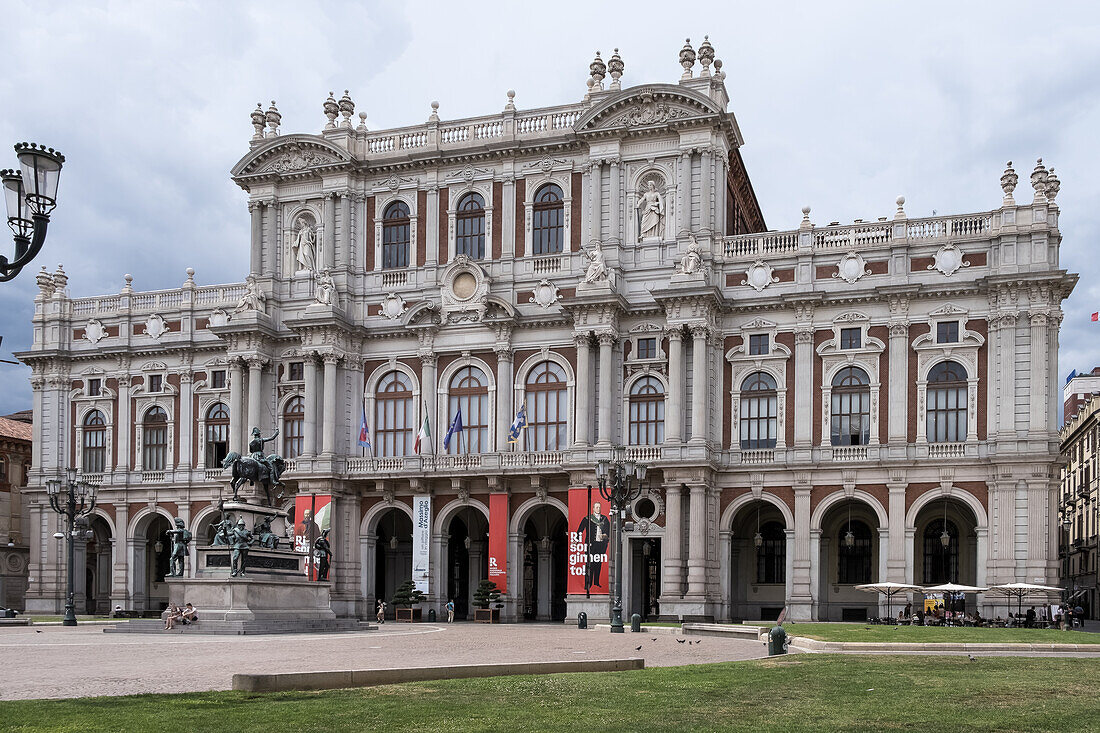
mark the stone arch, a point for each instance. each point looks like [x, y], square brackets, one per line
[840, 496]
[369, 525]
[524, 511]
[448, 511]
[372, 380]
[730, 512]
[961, 495]
[139, 523]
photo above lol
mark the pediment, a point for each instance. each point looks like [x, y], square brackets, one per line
[289, 155]
[652, 105]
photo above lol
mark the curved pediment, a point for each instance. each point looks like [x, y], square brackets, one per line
[289, 155]
[651, 105]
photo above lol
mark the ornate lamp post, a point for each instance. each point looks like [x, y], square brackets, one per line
[620, 482]
[30, 194]
[78, 501]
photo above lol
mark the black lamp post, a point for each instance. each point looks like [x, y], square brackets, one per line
[30, 194]
[77, 501]
[620, 482]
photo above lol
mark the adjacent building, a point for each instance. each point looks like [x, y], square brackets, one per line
[1079, 389]
[1078, 505]
[15, 462]
[818, 406]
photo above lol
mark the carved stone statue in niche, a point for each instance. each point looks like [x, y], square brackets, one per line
[305, 246]
[597, 267]
[253, 299]
[326, 289]
[652, 212]
[692, 259]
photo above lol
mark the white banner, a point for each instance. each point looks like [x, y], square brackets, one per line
[422, 539]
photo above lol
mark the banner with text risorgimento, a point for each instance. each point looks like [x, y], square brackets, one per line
[589, 539]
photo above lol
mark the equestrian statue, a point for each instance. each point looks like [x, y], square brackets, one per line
[257, 468]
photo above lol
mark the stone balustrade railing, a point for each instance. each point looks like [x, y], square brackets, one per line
[160, 301]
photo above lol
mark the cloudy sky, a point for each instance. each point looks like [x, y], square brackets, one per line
[843, 107]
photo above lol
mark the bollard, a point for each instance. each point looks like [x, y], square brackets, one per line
[431, 615]
[582, 620]
[635, 622]
[777, 641]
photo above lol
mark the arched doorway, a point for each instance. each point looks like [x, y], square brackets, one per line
[97, 567]
[544, 565]
[150, 562]
[945, 548]
[848, 556]
[467, 558]
[757, 562]
[392, 556]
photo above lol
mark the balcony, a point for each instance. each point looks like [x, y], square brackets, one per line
[844, 453]
[756, 457]
[152, 477]
[644, 453]
[946, 450]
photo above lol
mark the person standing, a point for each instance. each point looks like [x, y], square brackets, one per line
[381, 615]
[450, 611]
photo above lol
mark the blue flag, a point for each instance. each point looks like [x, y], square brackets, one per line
[456, 427]
[518, 425]
[364, 433]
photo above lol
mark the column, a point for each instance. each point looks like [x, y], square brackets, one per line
[672, 583]
[697, 541]
[700, 383]
[505, 394]
[1040, 367]
[804, 388]
[256, 209]
[329, 420]
[897, 400]
[269, 243]
[255, 392]
[122, 428]
[1007, 351]
[616, 208]
[674, 417]
[595, 202]
[120, 567]
[431, 227]
[309, 432]
[329, 244]
[506, 209]
[895, 543]
[428, 392]
[187, 419]
[583, 417]
[236, 431]
[683, 192]
[346, 560]
[707, 190]
[607, 378]
[545, 581]
[345, 231]
[802, 599]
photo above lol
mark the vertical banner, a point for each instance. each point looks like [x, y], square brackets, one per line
[589, 538]
[422, 539]
[498, 540]
[312, 515]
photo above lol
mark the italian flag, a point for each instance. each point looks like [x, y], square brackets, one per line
[425, 435]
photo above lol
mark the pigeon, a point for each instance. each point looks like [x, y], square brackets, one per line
[654, 639]
[698, 642]
[680, 641]
[38, 631]
[971, 657]
[638, 648]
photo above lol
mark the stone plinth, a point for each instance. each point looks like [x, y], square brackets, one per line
[253, 598]
[214, 562]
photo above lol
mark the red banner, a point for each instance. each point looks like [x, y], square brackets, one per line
[312, 517]
[498, 540]
[589, 539]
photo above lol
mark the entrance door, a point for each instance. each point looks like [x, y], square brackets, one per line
[646, 586]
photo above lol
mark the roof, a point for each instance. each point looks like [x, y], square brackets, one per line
[26, 416]
[15, 429]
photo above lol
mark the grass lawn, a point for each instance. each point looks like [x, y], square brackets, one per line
[933, 634]
[797, 692]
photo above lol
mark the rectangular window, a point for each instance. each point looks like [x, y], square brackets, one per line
[93, 388]
[217, 379]
[296, 371]
[156, 383]
[647, 348]
[759, 344]
[851, 338]
[947, 332]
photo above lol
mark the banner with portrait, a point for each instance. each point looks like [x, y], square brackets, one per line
[422, 540]
[498, 540]
[589, 543]
[312, 515]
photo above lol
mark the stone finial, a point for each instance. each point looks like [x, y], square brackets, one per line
[347, 109]
[60, 280]
[190, 282]
[1008, 183]
[362, 127]
[258, 121]
[331, 111]
[1039, 178]
[511, 106]
[588, 92]
[900, 213]
[1053, 186]
[599, 71]
[706, 56]
[45, 282]
[615, 67]
[718, 73]
[687, 58]
[129, 286]
[273, 119]
[434, 116]
[806, 224]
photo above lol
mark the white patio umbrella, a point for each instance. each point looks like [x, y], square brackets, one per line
[889, 590]
[954, 588]
[1019, 590]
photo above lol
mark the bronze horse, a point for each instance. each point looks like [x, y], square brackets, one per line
[255, 472]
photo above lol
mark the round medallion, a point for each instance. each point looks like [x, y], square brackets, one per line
[464, 285]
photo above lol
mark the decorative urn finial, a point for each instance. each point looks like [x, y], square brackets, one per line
[434, 116]
[687, 58]
[1008, 182]
[331, 111]
[258, 121]
[615, 67]
[511, 101]
[599, 71]
[347, 109]
[273, 119]
[362, 127]
[706, 56]
[1039, 178]
[1053, 186]
[45, 282]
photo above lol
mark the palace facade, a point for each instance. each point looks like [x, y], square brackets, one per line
[816, 406]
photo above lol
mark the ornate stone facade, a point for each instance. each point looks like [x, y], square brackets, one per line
[814, 404]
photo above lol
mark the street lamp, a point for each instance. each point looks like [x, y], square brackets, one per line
[30, 194]
[620, 483]
[77, 501]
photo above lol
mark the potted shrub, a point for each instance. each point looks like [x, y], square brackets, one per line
[487, 603]
[405, 598]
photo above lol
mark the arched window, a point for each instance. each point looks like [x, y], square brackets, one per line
[294, 418]
[851, 407]
[759, 406]
[469, 390]
[853, 562]
[154, 440]
[395, 235]
[941, 564]
[393, 415]
[647, 412]
[470, 226]
[93, 454]
[947, 403]
[548, 222]
[771, 556]
[547, 411]
[217, 434]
